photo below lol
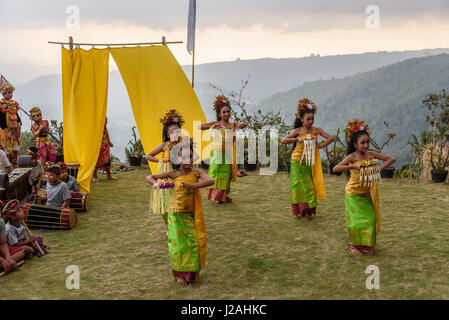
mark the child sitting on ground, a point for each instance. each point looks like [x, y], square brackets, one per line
[35, 178]
[32, 150]
[16, 232]
[58, 194]
[69, 180]
[8, 255]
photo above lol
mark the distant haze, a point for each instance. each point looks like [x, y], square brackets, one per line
[272, 86]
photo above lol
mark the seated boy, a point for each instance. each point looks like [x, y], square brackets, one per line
[8, 256]
[58, 194]
[35, 178]
[32, 151]
[15, 231]
[4, 162]
[69, 180]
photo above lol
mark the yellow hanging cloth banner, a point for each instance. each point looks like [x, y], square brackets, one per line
[375, 199]
[318, 179]
[156, 83]
[85, 93]
[200, 228]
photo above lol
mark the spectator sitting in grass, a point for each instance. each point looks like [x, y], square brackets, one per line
[15, 231]
[58, 194]
[69, 180]
[4, 162]
[35, 178]
[8, 255]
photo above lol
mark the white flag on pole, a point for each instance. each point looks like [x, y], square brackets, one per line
[191, 26]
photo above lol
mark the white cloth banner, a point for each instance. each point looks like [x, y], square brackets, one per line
[191, 26]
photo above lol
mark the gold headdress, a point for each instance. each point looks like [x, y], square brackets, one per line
[354, 126]
[9, 209]
[306, 104]
[5, 85]
[173, 116]
[221, 100]
[181, 140]
[35, 111]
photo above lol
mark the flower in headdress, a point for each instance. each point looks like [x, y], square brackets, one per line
[172, 116]
[306, 104]
[220, 100]
[354, 126]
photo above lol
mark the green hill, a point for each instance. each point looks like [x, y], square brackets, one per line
[392, 93]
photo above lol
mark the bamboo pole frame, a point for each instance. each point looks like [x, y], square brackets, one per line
[35, 242]
[70, 43]
[18, 264]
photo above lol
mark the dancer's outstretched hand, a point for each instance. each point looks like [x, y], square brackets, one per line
[188, 186]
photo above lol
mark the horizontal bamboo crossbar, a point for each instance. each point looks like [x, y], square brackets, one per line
[115, 44]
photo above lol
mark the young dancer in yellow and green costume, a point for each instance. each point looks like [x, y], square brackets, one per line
[306, 174]
[186, 226]
[172, 121]
[222, 164]
[362, 208]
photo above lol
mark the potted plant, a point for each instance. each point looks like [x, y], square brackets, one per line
[387, 172]
[439, 160]
[285, 157]
[205, 164]
[438, 105]
[251, 149]
[256, 120]
[135, 153]
[336, 154]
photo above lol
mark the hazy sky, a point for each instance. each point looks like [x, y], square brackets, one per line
[226, 30]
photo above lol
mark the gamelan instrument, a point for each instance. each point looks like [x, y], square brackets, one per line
[24, 161]
[79, 201]
[72, 169]
[14, 185]
[46, 217]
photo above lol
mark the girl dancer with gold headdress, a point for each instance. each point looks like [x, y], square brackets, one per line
[362, 209]
[222, 164]
[186, 226]
[306, 174]
[10, 122]
[172, 121]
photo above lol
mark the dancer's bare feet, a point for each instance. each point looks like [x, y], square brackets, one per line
[181, 281]
[95, 179]
[228, 199]
[112, 178]
[303, 217]
[355, 251]
[219, 202]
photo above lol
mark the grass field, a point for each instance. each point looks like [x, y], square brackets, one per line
[256, 249]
